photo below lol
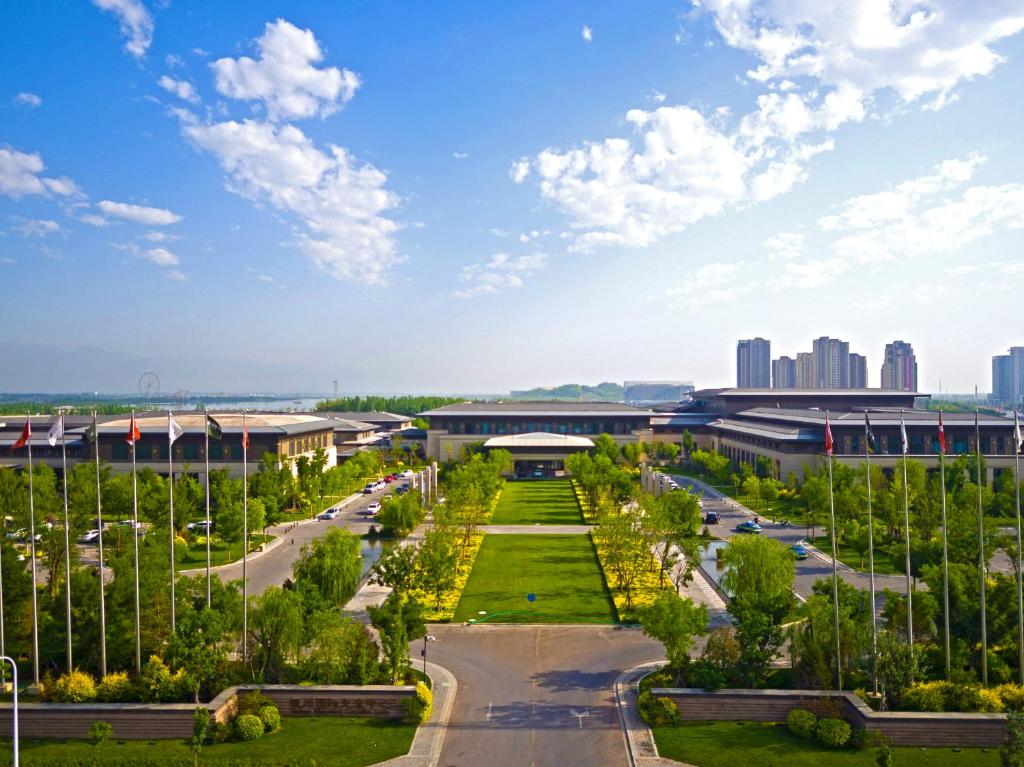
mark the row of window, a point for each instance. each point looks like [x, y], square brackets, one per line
[306, 444]
[528, 427]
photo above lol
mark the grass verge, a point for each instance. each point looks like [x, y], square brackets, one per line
[561, 570]
[728, 744]
[530, 502]
[220, 553]
[302, 740]
[450, 599]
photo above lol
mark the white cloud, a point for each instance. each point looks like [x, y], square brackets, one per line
[520, 170]
[38, 228]
[460, 155]
[176, 274]
[265, 278]
[499, 273]
[712, 283]
[140, 214]
[30, 100]
[136, 23]
[915, 49]
[587, 33]
[160, 236]
[183, 89]
[20, 176]
[656, 96]
[95, 220]
[162, 257]
[173, 61]
[284, 77]
[339, 202]
[785, 245]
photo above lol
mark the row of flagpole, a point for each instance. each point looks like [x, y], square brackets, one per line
[869, 445]
[174, 431]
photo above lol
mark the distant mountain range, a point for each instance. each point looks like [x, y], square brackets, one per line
[603, 392]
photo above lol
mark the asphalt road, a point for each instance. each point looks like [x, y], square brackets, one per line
[809, 570]
[536, 696]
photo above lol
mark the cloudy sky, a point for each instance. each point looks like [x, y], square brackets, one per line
[475, 197]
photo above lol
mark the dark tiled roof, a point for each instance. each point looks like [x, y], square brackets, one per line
[538, 408]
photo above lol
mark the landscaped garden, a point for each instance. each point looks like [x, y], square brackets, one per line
[532, 502]
[560, 570]
[194, 557]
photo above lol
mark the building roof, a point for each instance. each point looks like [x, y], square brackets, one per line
[376, 417]
[887, 417]
[344, 424]
[683, 419]
[537, 408]
[789, 393]
[539, 439]
[192, 422]
[772, 431]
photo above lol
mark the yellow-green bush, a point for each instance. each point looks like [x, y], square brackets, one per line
[1011, 696]
[417, 710]
[74, 687]
[950, 696]
[115, 688]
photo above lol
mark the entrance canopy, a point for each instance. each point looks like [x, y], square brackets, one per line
[540, 440]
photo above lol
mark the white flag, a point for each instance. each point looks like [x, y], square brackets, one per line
[173, 429]
[1016, 431]
[903, 433]
[56, 431]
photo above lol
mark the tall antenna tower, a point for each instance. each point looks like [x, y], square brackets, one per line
[335, 388]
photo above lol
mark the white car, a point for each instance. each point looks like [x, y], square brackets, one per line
[373, 509]
[90, 537]
[199, 526]
[329, 514]
[405, 474]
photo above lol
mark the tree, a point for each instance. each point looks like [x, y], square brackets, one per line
[396, 568]
[229, 525]
[398, 620]
[675, 621]
[257, 516]
[627, 547]
[605, 444]
[339, 651]
[896, 665]
[402, 514]
[437, 560]
[276, 631]
[688, 443]
[197, 646]
[99, 733]
[333, 564]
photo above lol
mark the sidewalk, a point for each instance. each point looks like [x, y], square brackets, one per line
[425, 750]
[640, 745]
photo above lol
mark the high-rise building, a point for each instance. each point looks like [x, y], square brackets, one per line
[858, 371]
[784, 373]
[754, 363]
[832, 363]
[899, 368]
[1008, 377]
[806, 371]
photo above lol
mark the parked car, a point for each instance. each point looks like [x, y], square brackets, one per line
[90, 537]
[373, 509]
[799, 551]
[329, 514]
[405, 474]
[199, 527]
[402, 490]
[389, 478]
[711, 518]
[750, 526]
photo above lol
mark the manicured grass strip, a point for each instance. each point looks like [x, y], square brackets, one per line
[561, 570]
[887, 562]
[195, 557]
[530, 502]
[728, 744]
[340, 741]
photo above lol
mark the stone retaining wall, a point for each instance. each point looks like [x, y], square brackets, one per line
[151, 721]
[902, 728]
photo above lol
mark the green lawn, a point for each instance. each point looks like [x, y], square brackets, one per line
[542, 501]
[886, 563]
[730, 744]
[195, 557]
[561, 570]
[336, 741]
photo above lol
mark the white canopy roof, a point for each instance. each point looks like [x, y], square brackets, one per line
[538, 439]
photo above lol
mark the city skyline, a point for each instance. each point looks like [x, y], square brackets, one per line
[271, 198]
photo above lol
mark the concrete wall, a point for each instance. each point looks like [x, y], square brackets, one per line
[902, 728]
[151, 721]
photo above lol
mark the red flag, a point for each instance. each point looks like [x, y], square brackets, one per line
[828, 436]
[26, 433]
[245, 434]
[942, 435]
[133, 433]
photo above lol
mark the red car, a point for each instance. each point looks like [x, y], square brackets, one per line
[389, 478]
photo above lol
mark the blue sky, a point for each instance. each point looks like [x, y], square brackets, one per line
[476, 197]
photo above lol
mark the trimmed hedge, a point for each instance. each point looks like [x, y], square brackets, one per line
[271, 718]
[965, 698]
[833, 733]
[74, 687]
[417, 710]
[248, 727]
[802, 723]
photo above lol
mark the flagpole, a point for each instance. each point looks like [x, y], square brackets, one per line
[99, 525]
[245, 538]
[835, 554]
[67, 537]
[170, 487]
[871, 558]
[135, 541]
[945, 542]
[32, 550]
[206, 453]
[1020, 586]
[906, 535]
[981, 553]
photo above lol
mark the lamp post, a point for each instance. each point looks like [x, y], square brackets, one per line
[426, 638]
[14, 716]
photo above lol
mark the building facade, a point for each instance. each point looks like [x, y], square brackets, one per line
[753, 363]
[806, 371]
[899, 367]
[859, 372]
[784, 373]
[832, 363]
[1008, 377]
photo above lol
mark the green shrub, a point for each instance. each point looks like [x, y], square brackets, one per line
[200, 725]
[801, 723]
[271, 718]
[219, 732]
[1011, 695]
[74, 687]
[833, 733]
[706, 676]
[251, 703]
[248, 727]
[925, 696]
[417, 710]
[156, 684]
[115, 688]
[657, 712]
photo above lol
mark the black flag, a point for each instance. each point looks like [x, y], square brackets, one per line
[213, 428]
[869, 434]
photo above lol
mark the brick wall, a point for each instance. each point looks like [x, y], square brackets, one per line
[151, 721]
[902, 728]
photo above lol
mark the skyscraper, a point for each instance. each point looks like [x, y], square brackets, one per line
[1008, 377]
[753, 363]
[832, 363]
[806, 371]
[858, 371]
[899, 368]
[784, 373]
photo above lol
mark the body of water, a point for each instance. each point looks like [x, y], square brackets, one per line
[371, 551]
[712, 565]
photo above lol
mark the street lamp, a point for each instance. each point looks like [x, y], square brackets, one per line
[426, 638]
[14, 717]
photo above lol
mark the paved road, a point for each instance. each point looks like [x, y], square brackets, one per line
[808, 571]
[273, 567]
[536, 696]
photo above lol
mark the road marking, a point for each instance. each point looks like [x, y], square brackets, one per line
[489, 711]
[580, 715]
